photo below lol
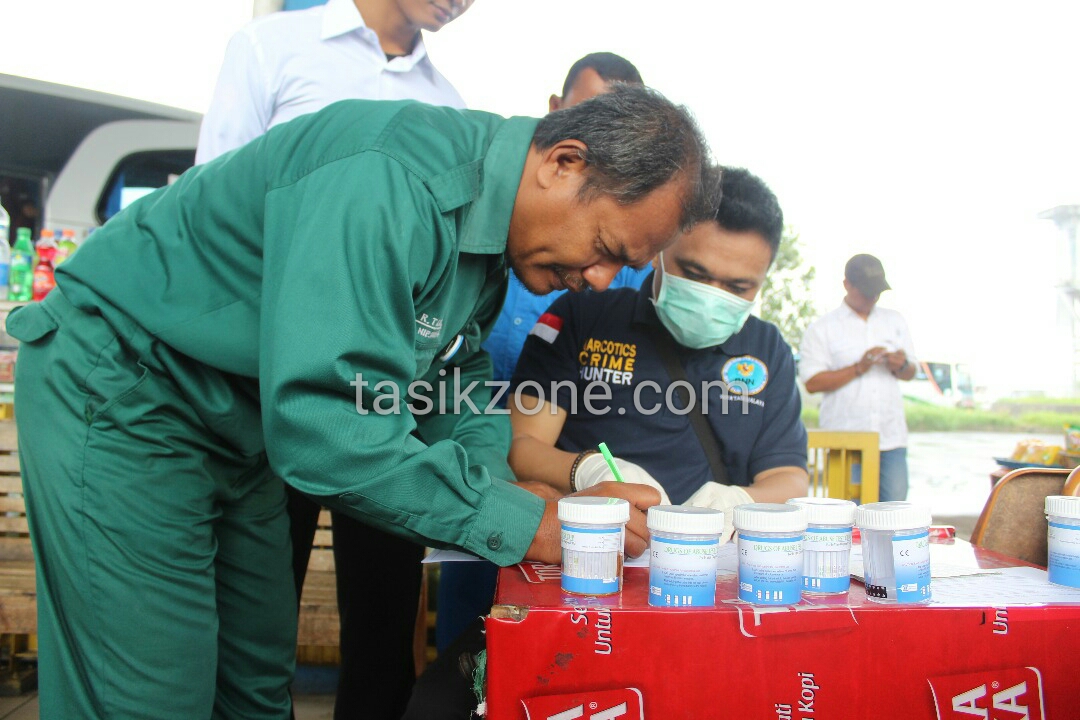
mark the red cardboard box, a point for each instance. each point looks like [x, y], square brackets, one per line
[553, 656]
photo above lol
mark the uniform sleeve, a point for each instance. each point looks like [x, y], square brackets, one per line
[354, 244]
[813, 351]
[241, 106]
[549, 354]
[782, 442]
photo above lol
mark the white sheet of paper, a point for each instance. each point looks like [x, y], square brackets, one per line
[1010, 586]
[439, 556]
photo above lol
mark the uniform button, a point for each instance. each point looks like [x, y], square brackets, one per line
[494, 541]
[517, 321]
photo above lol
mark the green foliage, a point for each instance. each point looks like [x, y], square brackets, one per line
[785, 296]
[1067, 402]
[923, 417]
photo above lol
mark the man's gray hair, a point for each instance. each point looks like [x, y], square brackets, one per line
[636, 141]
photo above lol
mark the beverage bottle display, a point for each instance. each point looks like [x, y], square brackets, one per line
[21, 276]
[65, 246]
[5, 250]
[44, 279]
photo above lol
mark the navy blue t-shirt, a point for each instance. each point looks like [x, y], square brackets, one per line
[606, 337]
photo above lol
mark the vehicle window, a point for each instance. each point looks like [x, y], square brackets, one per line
[963, 379]
[140, 174]
[942, 375]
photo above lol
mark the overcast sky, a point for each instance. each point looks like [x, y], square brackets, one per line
[928, 134]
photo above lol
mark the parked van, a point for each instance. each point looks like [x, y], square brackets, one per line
[941, 383]
[72, 158]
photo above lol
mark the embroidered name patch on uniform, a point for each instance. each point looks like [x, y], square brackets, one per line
[745, 373]
[547, 328]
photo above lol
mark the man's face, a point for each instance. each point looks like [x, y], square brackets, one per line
[858, 301]
[588, 84]
[432, 15]
[558, 241]
[733, 261]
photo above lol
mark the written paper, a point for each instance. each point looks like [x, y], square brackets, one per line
[1010, 586]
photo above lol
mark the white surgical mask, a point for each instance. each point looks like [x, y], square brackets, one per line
[699, 315]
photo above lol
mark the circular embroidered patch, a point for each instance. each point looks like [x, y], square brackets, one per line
[745, 372]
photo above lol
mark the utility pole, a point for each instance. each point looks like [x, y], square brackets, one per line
[1067, 219]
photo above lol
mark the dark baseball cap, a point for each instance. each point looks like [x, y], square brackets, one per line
[867, 275]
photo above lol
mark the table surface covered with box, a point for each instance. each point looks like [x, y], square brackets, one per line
[1003, 645]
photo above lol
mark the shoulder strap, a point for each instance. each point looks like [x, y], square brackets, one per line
[714, 452]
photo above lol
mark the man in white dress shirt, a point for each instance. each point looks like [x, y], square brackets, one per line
[285, 65]
[278, 68]
[857, 355]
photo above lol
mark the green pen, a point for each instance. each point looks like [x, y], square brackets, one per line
[610, 462]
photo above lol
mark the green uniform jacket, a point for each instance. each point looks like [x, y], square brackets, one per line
[352, 244]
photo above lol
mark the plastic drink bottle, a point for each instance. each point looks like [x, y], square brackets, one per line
[44, 279]
[5, 250]
[65, 246]
[21, 277]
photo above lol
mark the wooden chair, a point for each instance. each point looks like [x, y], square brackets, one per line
[18, 596]
[831, 457]
[1072, 483]
[1013, 521]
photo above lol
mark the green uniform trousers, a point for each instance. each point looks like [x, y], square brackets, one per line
[163, 573]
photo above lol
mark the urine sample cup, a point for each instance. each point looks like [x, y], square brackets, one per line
[1063, 539]
[683, 546]
[593, 530]
[826, 544]
[896, 551]
[770, 552]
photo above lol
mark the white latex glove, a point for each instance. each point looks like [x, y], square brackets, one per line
[721, 497]
[594, 469]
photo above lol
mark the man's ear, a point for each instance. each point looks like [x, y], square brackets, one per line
[554, 103]
[563, 161]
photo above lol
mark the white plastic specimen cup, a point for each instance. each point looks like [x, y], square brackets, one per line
[826, 544]
[770, 552]
[1063, 539]
[593, 529]
[896, 551]
[682, 555]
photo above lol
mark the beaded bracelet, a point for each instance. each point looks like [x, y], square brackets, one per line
[573, 468]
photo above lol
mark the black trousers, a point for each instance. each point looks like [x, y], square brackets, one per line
[378, 589]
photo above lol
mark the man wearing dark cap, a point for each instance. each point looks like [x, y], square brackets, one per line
[856, 355]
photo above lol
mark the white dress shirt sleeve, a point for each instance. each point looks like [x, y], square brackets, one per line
[241, 107]
[908, 345]
[814, 355]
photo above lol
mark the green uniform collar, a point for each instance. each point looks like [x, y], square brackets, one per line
[488, 222]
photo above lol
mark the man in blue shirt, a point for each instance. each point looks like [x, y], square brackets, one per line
[588, 77]
[739, 369]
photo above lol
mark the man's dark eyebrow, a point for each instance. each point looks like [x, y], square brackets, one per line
[691, 266]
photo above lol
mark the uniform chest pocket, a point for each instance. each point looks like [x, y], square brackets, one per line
[30, 323]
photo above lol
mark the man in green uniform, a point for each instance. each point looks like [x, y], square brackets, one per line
[259, 317]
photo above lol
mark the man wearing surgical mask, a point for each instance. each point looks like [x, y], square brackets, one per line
[693, 319]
